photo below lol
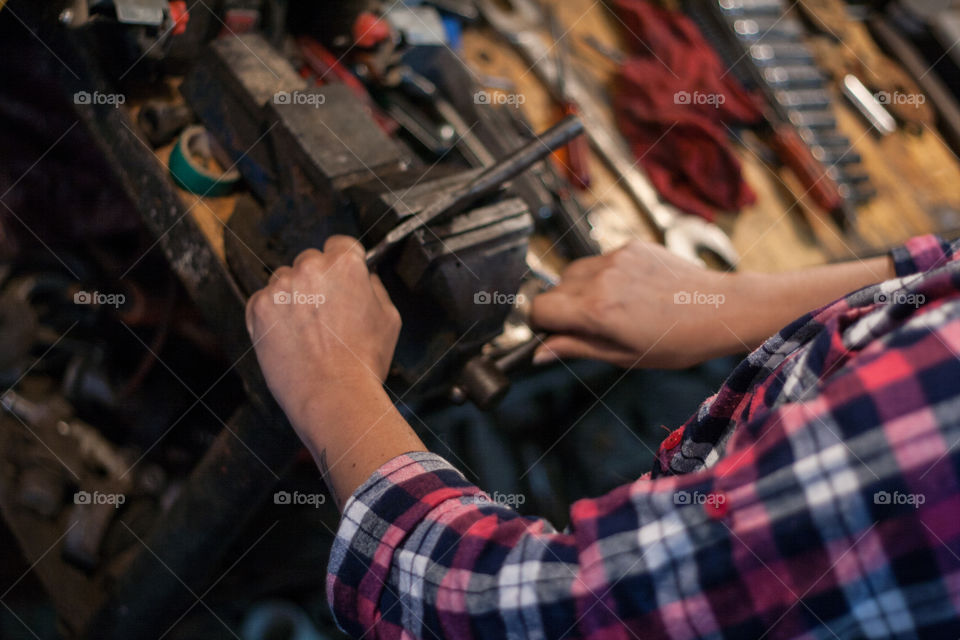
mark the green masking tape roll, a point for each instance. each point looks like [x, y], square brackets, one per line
[193, 147]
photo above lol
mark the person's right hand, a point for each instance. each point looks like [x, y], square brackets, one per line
[638, 306]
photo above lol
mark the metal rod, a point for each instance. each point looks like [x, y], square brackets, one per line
[483, 185]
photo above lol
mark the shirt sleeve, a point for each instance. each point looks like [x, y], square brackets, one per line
[922, 253]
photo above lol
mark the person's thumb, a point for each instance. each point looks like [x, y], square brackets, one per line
[558, 311]
[570, 346]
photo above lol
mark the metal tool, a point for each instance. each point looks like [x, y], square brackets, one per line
[820, 119]
[574, 158]
[484, 378]
[868, 105]
[801, 125]
[684, 235]
[767, 27]
[484, 184]
[753, 7]
[779, 52]
[792, 76]
[802, 99]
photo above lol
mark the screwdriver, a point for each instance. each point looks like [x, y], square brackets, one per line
[574, 157]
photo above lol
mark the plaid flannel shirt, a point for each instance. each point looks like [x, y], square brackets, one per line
[816, 495]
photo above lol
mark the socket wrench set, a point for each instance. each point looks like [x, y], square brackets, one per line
[763, 43]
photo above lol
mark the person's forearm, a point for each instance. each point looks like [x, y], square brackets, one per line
[765, 303]
[352, 432]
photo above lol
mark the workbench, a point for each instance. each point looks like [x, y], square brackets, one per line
[914, 174]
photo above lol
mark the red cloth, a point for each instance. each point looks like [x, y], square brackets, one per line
[673, 98]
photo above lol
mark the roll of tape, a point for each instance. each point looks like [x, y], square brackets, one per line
[188, 159]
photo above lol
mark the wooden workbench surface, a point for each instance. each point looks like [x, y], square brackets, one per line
[914, 173]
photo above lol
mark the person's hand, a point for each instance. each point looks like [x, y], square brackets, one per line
[638, 306]
[323, 327]
[642, 306]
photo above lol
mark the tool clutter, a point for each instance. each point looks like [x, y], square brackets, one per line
[365, 119]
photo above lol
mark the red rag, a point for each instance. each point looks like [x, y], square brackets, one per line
[673, 102]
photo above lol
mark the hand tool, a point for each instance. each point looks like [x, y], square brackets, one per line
[829, 156]
[844, 48]
[757, 27]
[420, 87]
[799, 120]
[813, 119]
[753, 7]
[792, 76]
[484, 184]
[684, 235]
[790, 52]
[868, 106]
[573, 158]
[502, 128]
[802, 98]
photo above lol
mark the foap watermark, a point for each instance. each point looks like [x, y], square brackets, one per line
[512, 500]
[295, 498]
[299, 97]
[499, 97]
[698, 497]
[900, 297]
[115, 300]
[898, 98]
[96, 497]
[898, 498]
[299, 297]
[98, 97]
[495, 297]
[699, 97]
[699, 298]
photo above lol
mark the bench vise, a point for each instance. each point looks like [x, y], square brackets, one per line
[317, 164]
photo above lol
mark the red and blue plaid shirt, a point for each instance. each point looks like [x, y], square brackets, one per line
[816, 495]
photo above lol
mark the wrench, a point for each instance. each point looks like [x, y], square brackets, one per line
[683, 234]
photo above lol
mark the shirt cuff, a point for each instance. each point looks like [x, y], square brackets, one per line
[920, 254]
[376, 521]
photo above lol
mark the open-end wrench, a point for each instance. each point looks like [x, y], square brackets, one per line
[685, 235]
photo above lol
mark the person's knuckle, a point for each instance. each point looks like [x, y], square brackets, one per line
[309, 259]
[260, 303]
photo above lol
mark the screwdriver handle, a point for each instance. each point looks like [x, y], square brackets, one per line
[574, 158]
[796, 155]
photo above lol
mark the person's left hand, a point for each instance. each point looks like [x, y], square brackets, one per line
[323, 326]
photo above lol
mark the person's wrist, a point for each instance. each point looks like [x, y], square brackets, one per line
[747, 300]
[331, 398]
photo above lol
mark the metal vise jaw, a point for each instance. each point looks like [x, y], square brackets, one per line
[454, 282]
[296, 146]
